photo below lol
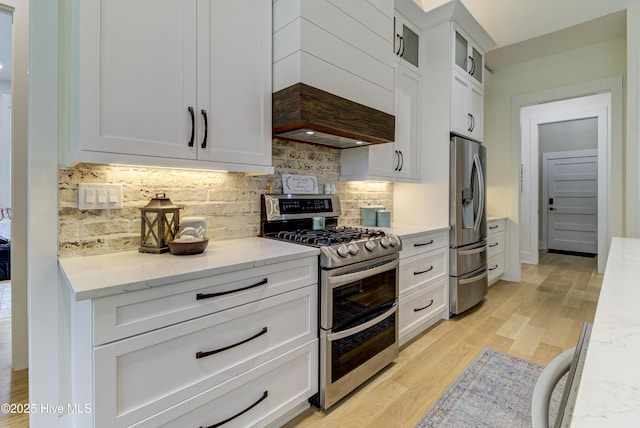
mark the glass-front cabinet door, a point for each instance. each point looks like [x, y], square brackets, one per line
[468, 57]
[406, 42]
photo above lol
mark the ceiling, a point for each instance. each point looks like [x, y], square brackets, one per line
[528, 29]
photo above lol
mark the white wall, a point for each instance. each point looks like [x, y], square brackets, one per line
[632, 154]
[5, 150]
[19, 113]
[585, 71]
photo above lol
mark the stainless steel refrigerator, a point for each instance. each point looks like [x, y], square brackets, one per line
[467, 216]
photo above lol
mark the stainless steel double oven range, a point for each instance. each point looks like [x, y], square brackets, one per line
[358, 288]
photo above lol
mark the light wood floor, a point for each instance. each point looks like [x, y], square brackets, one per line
[14, 387]
[535, 319]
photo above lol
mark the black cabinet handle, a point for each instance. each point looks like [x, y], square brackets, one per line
[473, 66]
[402, 44]
[423, 308]
[429, 269]
[206, 128]
[201, 296]
[401, 160]
[202, 354]
[494, 227]
[423, 244]
[493, 245]
[397, 167]
[399, 37]
[494, 268]
[193, 126]
[264, 396]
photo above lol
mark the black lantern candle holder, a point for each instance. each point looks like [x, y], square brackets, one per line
[159, 225]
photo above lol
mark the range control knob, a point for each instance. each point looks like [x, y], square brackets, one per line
[384, 242]
[393, 241]
[353, 249]
[370, 245]
[342, 251]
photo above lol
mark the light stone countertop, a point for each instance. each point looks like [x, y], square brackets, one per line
[103, 275]
[609, 390]
[409, 231]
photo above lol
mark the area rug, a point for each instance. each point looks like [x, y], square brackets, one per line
[494, 391]
[5, 300]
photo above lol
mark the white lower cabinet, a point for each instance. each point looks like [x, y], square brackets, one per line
[423, 283]
[220, 348]
[256, 398]
[495, 249]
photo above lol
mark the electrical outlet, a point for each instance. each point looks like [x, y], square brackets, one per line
[93, 196]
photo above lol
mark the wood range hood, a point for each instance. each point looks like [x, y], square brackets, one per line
[305, 114]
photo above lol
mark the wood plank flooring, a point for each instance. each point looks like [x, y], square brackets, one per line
[14, 386]
[537, 319]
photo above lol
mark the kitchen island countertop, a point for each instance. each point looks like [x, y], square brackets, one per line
[108, 274]
[609, 389]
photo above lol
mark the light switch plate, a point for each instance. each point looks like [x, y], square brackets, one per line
[94, 196]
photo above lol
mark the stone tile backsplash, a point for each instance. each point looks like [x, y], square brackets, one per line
[229, 201]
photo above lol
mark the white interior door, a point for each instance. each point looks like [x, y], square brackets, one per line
[571, 201]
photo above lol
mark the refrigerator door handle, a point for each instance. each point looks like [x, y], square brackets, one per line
[480, 214]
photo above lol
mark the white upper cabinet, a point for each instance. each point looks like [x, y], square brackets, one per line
[406, 42]
[467, 94]
[468, 56]
[397, 161]
[172, 84]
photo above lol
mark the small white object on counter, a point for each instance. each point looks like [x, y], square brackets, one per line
[104, 275]
[609, 390]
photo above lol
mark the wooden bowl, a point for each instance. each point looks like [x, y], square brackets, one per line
[188, 248]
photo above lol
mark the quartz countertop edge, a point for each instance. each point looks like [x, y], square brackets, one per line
[409, 231]
[608, 392]
[105, 275]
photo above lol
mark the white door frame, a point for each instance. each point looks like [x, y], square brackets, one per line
[531, 117]
[545, 184]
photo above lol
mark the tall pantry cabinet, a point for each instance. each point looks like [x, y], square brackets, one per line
[453, 45]
[170, 83]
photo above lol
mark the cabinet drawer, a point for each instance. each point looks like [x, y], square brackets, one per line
[419, 307]
[423, 243]
[143, 375]
[128, 314]
[495, 226]
[495, 244]
[422, 269]
[495, 267]
[256, 398]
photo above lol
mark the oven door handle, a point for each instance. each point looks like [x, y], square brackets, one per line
[472, 279]
[361, 327]
[338, 280]
[474, 251]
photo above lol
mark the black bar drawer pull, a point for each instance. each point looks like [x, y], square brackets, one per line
[201, 354]
[264, 396]
[494, 245]
[201, 296]
[423, 308]
[422, 245]
[494, 227]
[494, 268]
[429, 269]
